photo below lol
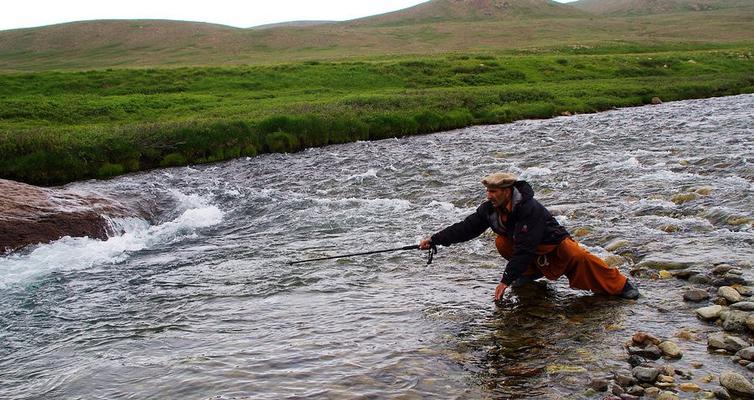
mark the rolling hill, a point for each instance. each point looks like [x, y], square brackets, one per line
[437, 26]
[647, 7]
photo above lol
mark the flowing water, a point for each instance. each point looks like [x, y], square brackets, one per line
[199, 302]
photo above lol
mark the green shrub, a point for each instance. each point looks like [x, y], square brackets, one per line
[108, 170]
[281, 142]
[173, 160]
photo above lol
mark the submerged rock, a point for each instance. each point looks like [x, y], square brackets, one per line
[32, 215]
[695, 295]
[737, 384]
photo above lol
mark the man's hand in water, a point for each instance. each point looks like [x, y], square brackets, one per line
[500, 290]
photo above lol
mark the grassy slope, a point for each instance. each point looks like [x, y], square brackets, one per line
[62, 126]
[124, 44]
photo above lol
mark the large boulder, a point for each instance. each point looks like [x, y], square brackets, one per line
[32, 215]
[737, 384]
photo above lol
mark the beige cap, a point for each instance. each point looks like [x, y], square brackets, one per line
[499, 180]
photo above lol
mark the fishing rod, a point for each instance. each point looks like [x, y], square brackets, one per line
[430, 254]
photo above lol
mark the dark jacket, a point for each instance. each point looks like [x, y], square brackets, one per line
[529, 224]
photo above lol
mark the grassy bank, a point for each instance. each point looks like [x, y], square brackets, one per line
[57, 127]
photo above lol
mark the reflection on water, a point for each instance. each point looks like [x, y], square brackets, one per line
[199, 302]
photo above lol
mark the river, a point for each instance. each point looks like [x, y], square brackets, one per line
[198, 301]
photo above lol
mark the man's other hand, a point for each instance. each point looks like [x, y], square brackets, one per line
[425, 244]
[500, 290]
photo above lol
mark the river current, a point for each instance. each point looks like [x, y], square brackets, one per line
[199, 302]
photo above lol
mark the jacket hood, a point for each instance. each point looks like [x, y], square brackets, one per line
[525, 189]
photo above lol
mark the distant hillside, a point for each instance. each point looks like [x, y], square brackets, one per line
[437, 26]
[293, 24]
[473, 10]
[646, 7]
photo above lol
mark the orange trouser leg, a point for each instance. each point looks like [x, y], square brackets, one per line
[584, 270]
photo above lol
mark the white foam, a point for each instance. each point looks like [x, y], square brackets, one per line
[81, 253]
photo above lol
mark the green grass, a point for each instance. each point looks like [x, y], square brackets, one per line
[57, 127]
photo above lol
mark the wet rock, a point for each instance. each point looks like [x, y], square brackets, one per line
[747, 291]
[645, 374]
[616, 244]
[700, 280]
[32, 215]
[746, 353]
[628, 396]
[710, 312]
[599, 385]
[729, 294]
[670, 349]
[624, 380]
[695, 295]
[735, 321]
[652, 392]
[722, 394]
[721, 269]
[750, 366]
[667, 396]
[650, 352]
[729, 280]
[635, 390]
[743, 306]
[689, 387]
[644, 273]
[635, 360]
[737, 384]
[685, 274]
[723, 341]
[750, 323]
[665, 379]
[643, 339]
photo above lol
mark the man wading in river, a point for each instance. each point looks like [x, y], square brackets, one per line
[532, 241]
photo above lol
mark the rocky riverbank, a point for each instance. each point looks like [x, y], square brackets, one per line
[651, 372]
[32, 215]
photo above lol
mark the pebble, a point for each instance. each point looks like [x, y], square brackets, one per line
[736, 383]
[743, 306]
[709, 312]
[746, 353]
[750, 323]
[689, 387]
[729, 294]
[695, 295]
[670, 349]
[652, 392]
[668, 396]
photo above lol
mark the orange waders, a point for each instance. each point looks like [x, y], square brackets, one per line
[584, 270]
